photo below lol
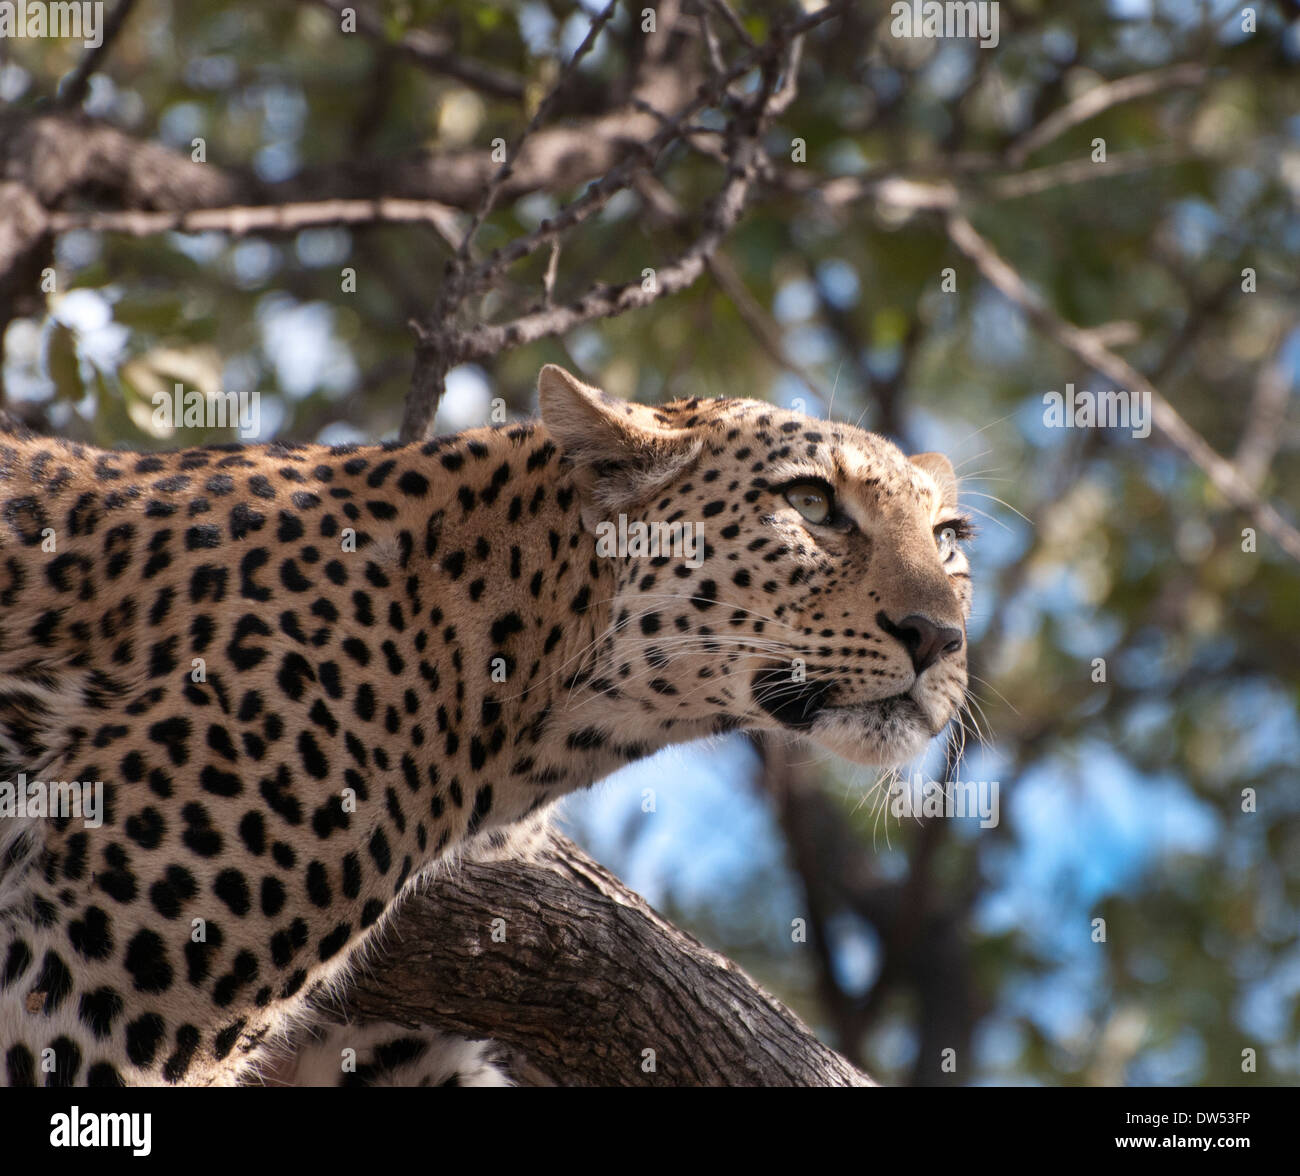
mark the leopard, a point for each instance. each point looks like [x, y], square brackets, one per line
[302, 678]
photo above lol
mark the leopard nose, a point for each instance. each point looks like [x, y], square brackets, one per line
[924, 641]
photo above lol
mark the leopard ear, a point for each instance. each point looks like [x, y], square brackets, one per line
[621, 453]
[940, 469]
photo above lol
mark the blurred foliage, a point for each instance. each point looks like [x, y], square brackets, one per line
[1105, 547]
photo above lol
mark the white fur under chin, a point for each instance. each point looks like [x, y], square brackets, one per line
[853, 737]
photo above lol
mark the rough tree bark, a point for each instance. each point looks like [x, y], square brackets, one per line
[587, 978]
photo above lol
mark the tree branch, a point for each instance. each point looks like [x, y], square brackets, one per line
[1263, 433]
[606, 301]
[1221, 472]
[544, 108]
[443, 343]
[432, 52]
[1103, 97]
[61, 159]
[587, 978]
[74, 89]
[261, 218]
[927, 193]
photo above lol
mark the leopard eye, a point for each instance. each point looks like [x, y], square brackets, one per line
[813, 500]
[949, 535]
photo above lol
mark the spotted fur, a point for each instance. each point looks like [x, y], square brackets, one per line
[469, 662]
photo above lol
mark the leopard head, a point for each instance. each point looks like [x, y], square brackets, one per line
[774, 572]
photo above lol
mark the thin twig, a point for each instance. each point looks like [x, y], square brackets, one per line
[74, 89]
[441, 343]
[540, 115]
[620, 176]
[434, 54]
[1221, 472]
[1103, 97]
[548, 278]
[1262, 436]
[923, 193]
[723, 9]
[711, 46]
[606, 301]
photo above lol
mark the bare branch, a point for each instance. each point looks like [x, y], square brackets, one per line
[281, 218]
[924, 193]
[1081, 171]
[442, 343]
[711, 46]
[1263, 432]
[73, 89]
[723, 9]
[891, 189]
[1221, 472]
[1103, 97]
[603, 302]
[619, 177]
[548, 278]
[539, 117]
[788, 90]
[64, 159]
[765, 330]
[434, 53]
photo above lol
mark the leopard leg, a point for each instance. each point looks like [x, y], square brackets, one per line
[382, 1054]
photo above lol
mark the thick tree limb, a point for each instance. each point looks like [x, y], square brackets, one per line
[62, 159]
[587, 979]
[59, 156]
